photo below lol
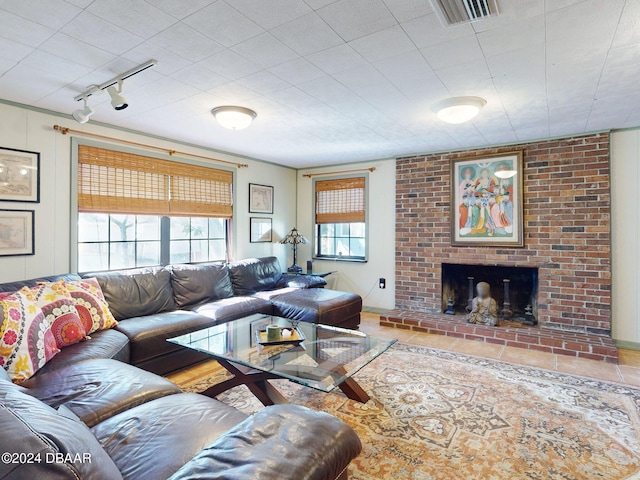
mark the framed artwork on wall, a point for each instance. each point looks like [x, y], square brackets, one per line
[260, 198]
[19, 176]
[486, 200]
[260, 230]
[17, 232]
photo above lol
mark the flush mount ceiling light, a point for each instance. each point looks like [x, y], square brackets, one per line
[82, 115]
[118, 102]
[458, 110]
[234, 118]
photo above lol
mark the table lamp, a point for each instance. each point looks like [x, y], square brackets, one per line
[294, 238]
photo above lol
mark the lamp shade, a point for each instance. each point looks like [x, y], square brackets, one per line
[294, 237]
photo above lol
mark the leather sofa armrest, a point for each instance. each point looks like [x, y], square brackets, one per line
[300, 281]
[283, 442]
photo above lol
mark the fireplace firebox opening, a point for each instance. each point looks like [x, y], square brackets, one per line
[521, 290]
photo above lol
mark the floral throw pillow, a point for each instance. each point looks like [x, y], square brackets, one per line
[59, 310]
[26, 340]
[91, 305]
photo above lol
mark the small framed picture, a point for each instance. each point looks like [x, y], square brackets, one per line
[260, 198]
[260, 230]
[487, 200]
[16, 232]
[19, 176]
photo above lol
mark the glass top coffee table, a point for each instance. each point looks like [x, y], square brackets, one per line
[326, 358]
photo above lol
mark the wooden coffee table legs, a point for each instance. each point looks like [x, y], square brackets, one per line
[257, 382]
[354, 391]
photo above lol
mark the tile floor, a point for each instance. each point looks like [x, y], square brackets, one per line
[628, 371]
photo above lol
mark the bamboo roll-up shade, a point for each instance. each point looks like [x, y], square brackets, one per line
[201, 192]
[118, 182]
[341, 200]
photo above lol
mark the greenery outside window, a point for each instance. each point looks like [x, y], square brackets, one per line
[136, 210]
[340, 218]
[114, 242]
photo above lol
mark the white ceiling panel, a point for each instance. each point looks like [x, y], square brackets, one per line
[337, 59]
[21, 30]
[265, 15]
[353, 19]
[265, 50]
[387, 43]
[297, 71]
[428, 31]
[53, 13]
[178, 10]
[307, 34]
[405, 10]
[140, 18]
[331, 80]
[186, 42]
[95, 31]
[224, 24]
[231, 65]
[453, 53]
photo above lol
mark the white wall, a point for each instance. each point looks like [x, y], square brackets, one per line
[625, 247]
[360, 278]
[27, 129]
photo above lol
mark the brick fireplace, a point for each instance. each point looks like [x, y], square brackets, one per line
[567, 240]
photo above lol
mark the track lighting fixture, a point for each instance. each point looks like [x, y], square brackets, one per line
[118, 102]
[113, 88]
[82, 115]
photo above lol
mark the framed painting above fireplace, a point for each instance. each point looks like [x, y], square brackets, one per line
[486, 200]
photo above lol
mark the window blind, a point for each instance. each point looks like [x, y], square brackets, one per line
[122, 183]
[340, 200]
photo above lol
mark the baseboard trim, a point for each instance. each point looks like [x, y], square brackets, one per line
[627, 345]
[380, 311]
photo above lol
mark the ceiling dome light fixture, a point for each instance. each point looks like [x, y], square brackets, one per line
[234, 118]
[82, 115]
[458, 110]
[118, 102]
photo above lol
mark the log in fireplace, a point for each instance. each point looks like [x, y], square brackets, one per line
[521, 290]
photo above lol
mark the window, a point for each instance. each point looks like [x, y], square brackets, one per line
[136, 211]
[113, 242]
[340, 217]
[197, 239]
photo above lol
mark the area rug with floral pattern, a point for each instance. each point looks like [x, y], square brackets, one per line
[435, 414]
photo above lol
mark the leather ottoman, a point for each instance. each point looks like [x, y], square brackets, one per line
[318, 305]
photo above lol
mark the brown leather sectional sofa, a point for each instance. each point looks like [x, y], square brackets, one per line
[89, 414]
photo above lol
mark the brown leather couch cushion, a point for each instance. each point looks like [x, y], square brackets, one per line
[138, 292]
[254, 275]
[152, 441]
[102, 344]
[95, 390]
[323, 447]
[233, 308]
[29, 426]
[197, 284]
[318, 305]
[148, 335]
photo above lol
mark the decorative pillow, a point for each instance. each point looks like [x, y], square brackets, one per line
[91, 305]
[59, 310]
[26, 340]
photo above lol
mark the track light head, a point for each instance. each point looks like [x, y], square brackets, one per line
[118, 102]
[82, 115]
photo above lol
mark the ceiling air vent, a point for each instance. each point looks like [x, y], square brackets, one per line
[452, 12]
